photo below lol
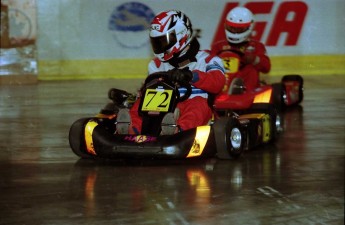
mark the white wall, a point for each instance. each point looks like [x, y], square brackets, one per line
[78, 29]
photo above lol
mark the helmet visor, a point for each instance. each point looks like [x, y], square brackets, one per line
[237, 28]
[163, 43]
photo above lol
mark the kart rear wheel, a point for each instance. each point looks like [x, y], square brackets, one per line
[299, 79]
[76, 138]
[229, 138]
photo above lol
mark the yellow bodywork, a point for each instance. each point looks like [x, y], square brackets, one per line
[90, 126]
[263, 97]
[265, 128]
[200, 141]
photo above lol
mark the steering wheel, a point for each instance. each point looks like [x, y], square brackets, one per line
[164, 76]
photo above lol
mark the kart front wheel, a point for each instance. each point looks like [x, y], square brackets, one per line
[278, 95]
[76, 138]
[229, 138]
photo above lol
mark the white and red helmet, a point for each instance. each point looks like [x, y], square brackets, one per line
[170, 33]
[239, 25]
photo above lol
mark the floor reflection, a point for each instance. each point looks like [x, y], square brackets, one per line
[155, 187]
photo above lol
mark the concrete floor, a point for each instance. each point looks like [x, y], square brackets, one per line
[298, 180]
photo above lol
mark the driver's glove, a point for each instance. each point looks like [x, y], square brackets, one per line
[181, 76]
[118, 96]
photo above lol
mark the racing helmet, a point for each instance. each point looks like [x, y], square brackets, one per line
[239, 25]
[170, 33]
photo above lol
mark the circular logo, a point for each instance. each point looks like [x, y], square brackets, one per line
[130, 23]
[20, 24]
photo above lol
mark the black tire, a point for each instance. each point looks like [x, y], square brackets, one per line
[230, 138]
[77, 139]
[277, 125]
[278, 92]
[299, 79]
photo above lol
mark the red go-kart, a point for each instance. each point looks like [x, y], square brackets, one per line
[287, 93]
[226, 136]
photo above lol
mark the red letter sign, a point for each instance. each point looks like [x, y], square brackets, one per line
[289, 19]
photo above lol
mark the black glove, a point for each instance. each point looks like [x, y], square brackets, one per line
[181, 76]
[118, 96]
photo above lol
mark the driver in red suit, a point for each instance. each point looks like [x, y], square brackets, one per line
[176, 50]
[253, 58]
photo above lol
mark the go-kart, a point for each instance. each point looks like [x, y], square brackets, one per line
[225, 136]
[287, 93]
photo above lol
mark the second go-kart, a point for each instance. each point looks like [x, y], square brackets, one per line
[226, 136]
[284, 94]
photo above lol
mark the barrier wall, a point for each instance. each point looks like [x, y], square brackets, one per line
[85, 39]
[18, 62]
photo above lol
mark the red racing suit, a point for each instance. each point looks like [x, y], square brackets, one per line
[208, 77]
[252, 57]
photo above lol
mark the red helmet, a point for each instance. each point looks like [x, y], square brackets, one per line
[170, 33]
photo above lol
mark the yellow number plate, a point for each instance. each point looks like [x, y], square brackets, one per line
[157, 100]
[231, 64]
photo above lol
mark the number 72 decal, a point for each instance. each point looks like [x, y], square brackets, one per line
[157, 100]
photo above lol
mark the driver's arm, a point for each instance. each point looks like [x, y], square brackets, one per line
[212, 79]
